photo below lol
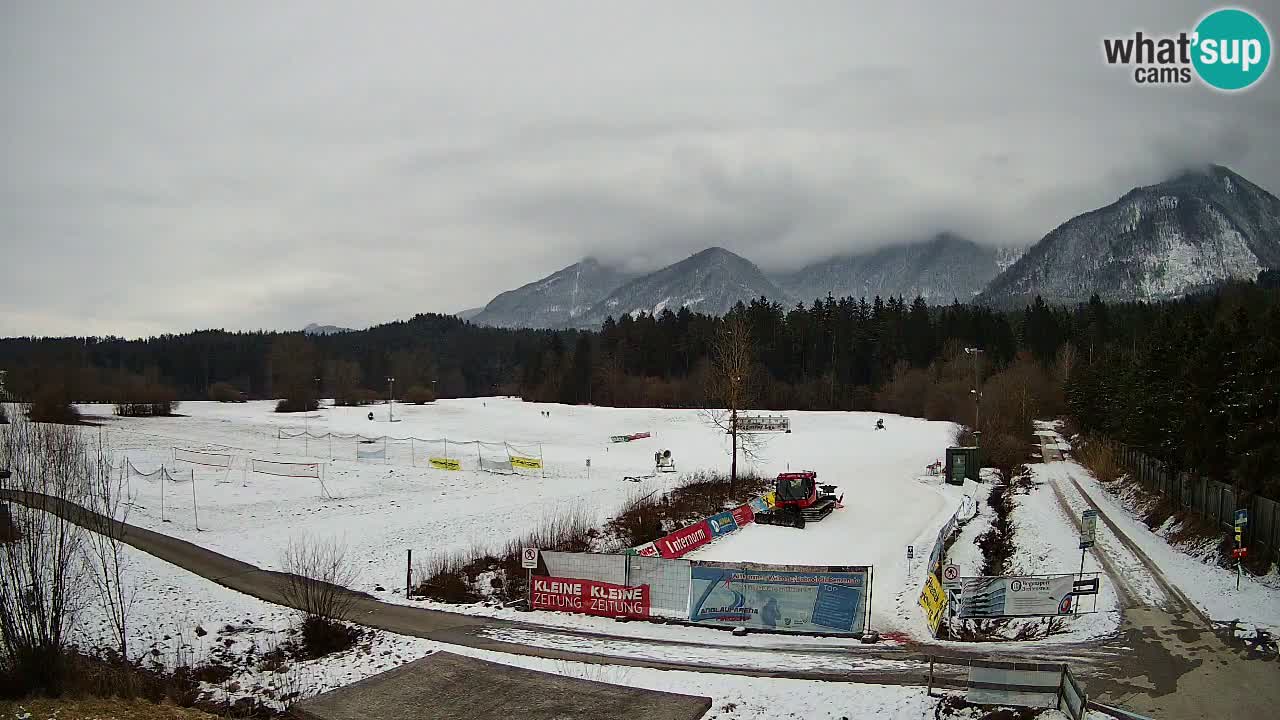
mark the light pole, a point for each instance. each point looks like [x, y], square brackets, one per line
[391, 399]
[977, 395]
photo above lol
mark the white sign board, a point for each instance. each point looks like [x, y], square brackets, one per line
[529, 558]
[1088, 528]
[951, 576]
[990, 597]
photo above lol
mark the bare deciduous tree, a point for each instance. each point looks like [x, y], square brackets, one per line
[106, 495]
[731, 387]
[319, 575]
[42, 570]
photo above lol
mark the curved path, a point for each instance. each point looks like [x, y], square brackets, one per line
[905, 665]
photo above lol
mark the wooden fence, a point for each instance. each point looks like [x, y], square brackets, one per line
[1212, 500]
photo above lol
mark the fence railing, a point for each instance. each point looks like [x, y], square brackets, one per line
[1021, 684]
[1210, 499]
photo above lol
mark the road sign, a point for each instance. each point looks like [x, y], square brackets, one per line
[1239, 552]
[1088, 528]
[1242, 517]
[911, 551]
[529, 558]
[1088, 586]
[951, 576]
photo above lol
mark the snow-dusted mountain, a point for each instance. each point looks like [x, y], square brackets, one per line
[711, 282]
[316, 329]
[1156, 242]
[944, 268]
[468, 313]
[556, 301]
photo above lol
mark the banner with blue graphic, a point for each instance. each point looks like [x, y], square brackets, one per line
[722, 524]
[786, 598]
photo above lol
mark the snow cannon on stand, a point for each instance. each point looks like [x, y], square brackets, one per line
[799, 499]
[663, 461]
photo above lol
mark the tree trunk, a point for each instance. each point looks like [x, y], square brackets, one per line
[733, 466]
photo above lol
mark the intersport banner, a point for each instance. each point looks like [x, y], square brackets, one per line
[787, 598]
[685, 540]
[590, 597]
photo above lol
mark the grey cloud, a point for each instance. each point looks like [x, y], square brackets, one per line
[169, 166]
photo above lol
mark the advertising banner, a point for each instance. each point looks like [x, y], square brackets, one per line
[934, 601]
[1028, 596]
[763, 423]
[743, 515]
[684, 540]
[722, 524]
[788, 598]
[646, 550]
[590, 597]
[446, 463]
[526, 462]
[759, 505]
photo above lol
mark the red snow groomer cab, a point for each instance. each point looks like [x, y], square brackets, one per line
[799, 499]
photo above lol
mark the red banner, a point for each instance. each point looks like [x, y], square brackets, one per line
[590, 597]
[743, 515]
[684, 540]
[647, 550]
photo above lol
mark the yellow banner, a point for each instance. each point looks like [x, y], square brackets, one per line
[446, 463]
[934, 601]
[524, 462]
[768, 498]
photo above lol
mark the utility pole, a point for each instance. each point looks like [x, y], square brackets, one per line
[977, 395]
[391, 399]
[317, 393]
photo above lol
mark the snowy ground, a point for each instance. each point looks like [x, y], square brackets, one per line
[383, 509]
[1211, 587]
[172, 603]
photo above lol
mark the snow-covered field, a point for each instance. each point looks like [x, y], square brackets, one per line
[172, 603]
[381, 509]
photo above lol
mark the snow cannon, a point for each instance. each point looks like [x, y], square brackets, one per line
[799, 499]
[663, 461]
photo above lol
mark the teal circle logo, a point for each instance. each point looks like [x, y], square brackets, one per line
[1232, 49]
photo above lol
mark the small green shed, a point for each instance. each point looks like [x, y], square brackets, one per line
[962, 462]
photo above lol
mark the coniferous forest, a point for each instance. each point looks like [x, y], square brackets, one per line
[1193, 382]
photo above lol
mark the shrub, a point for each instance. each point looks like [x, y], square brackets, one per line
[291, 405]
[478, 573]
[319, 575]
[52, 404]
[356, 396]
[225, 392]
[1099, 456]
[321, 636]
[419, 395]
[997, 543]
[649, 517]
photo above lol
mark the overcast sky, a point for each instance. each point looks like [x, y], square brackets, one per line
[168, 166]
